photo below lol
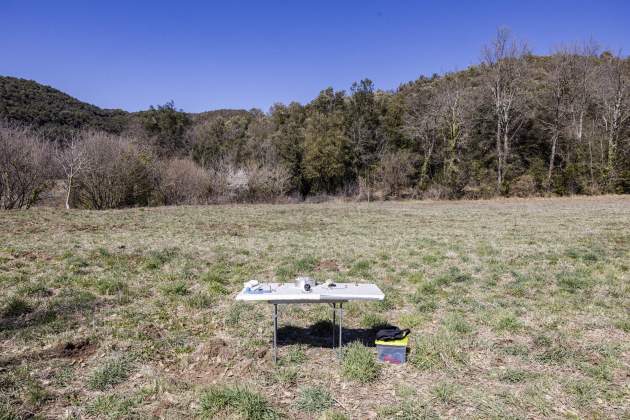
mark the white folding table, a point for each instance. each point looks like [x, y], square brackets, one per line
[287, 293]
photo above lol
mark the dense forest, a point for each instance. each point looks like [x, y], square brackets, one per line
[516, 124]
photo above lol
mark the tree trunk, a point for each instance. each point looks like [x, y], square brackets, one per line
[68, 192]
[425, 164]
[499, 157]
[554, 141]
[590, 152]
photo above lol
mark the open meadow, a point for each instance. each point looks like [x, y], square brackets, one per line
[518, 308]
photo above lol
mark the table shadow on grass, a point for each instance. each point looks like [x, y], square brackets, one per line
[320, 334]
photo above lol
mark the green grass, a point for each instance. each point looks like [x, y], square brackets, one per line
[373, 321]
[110, 374]
[445, 392]
[517, 309]
[16, 306]
[296, 354]
[359, 363]
[178, 288]
[313, 399]
[111, 407]
[437, 351]
[457, 324]
[509, 322]
[515, 376]
[222, 401]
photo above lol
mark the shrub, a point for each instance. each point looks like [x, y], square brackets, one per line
[182, 181]
[436, 192]
[523, 186]
[121, 173]
[359, 363]
[313, 400]
[266, 182]
[218, 401]
[25, 169]
[395, 172]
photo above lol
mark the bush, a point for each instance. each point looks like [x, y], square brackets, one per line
[523, 186]
[436, 192]
[251, 183]
[395, 172]
[120, 174]
[359, 363]
[25, 168]
[266, 183]
[182, 181]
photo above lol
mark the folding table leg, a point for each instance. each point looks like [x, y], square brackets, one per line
[340, 328]
[334, 305]
[275, 333]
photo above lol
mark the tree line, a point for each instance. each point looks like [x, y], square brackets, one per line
[514, 125]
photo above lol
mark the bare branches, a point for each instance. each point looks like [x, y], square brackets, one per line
[505, 69]
[73, 159]
[614, 107]
[25, 169]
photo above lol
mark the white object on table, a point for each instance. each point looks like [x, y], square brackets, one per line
[286, 293]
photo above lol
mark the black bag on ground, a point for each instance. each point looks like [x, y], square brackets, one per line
[395, 333]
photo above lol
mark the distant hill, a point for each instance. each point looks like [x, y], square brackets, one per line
[56, 114]
[53, 112]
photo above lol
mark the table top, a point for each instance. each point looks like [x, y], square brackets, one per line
[289, 293]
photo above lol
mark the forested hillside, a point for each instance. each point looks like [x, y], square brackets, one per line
[52, 111]
[516, 124]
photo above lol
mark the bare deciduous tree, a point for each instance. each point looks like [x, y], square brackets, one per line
[73, 160]
[450, 108]
[395, 172]
[25, 169]
[421, 123]
[555, 102]
[581, 93]
[504, 63]
[614, 104]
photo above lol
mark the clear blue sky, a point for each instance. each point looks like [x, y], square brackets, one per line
[236, 54]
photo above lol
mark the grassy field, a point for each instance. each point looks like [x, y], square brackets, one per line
[518, 308]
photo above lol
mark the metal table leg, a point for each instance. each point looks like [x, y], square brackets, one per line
[340, 327]
[275, 333]
[334, 305]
